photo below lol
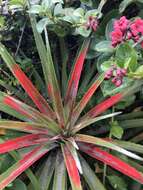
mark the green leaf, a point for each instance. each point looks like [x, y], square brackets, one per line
[49, 71]
[105, 143]
[124, 4]
[60, 173]
[79, 12]
[87, 2]
[2, 21]
[126, 57]
[58, 10]
[116, 130]
[125, 102]
[83, 31]
[93, 12]
[35, 9]
[109, 29]
[43, 23]
[129, 146]
[138, 73]
[47, 171]
[108, 88]
[117, 182]
[90, 177]
[18, 185]
[87, 122]
[104, 46]
[106, 65]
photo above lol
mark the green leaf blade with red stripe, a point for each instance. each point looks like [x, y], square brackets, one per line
[75, 75]
[90, 176]
[49, 71]
[85, 99]
[71, 168]
[112, 161]
[29, 113]
[59, 182]
[108, 103]
[20, 142]
[33, 128]
[20, 166]
[39, 101]
[101, 142]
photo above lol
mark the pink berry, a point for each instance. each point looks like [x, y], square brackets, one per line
[114, 80]
[107, 76]
[93, 24]
[118, 83]
[119, 72]
[109, 72]
[124, 71]
[129, 35]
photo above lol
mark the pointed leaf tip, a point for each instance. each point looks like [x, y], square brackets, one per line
[112, 161]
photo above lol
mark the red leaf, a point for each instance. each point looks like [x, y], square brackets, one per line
[103, 106]
[39, 101]
[75, 75]
[72, 169]
[24, 109]
[15, 170]
[83, 102]
[112, 161]
[21, 142]
[13, 103]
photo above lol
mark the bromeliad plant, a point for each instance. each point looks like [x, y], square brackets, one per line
[55, 127]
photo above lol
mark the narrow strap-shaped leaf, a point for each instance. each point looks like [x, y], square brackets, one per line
[49, 71]
[23, 126]
[21, 142]
[128, 145]
[46, 172]
[87, 122]
[112, 161]
[106, 104]
[71, 168]
[90, 177]
[12, 89]
[73, 152]
[87, 96]
[20, 166]
[7, 109]
[39, 101]
[60, 173]
[107, 144]
[103, 106]
[75, 75]
[29, 112]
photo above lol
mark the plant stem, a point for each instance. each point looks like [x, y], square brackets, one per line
[20, 39]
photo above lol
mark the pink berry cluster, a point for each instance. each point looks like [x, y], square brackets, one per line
[92, 23]
[125, 29]
[116, 75]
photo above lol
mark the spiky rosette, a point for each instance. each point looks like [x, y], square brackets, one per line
[55, 127]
